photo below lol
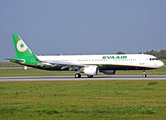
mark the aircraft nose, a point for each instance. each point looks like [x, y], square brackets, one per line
[161, 64]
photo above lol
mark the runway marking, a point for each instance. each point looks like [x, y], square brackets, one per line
[83, 78]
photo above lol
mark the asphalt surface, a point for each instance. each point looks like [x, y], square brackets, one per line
[72, 78]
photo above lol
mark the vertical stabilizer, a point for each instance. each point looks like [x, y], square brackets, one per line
[21, 48]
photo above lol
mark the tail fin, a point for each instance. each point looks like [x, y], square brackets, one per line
[21, 48]
[24, 54]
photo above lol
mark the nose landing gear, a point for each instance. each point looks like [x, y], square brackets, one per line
[144, 74]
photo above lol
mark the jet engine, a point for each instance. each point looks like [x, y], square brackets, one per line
[91, 70]
[109, 72]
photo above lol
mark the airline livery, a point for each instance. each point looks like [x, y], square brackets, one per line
[88, 64]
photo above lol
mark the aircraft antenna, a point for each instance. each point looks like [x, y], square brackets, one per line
[142, 50]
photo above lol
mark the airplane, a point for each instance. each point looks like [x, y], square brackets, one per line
[88, 64]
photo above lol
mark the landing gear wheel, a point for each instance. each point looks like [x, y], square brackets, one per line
[144, 75]
[77, 75]
[90, 76]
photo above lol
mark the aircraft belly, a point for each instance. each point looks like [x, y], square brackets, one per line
[119, 67]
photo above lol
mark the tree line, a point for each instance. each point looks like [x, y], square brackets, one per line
[159, 54]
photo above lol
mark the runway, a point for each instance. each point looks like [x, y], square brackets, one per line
[83, 78]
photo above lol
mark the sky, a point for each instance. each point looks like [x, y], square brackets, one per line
[50, 27]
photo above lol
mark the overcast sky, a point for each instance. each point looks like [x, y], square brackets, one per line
[83, 26]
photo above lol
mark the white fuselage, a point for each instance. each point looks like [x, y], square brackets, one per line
[121, 60]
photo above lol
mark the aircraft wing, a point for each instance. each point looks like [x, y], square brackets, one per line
[71, 66]
[67, 64]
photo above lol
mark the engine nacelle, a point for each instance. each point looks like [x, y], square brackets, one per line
[91, 70]
[109, 72]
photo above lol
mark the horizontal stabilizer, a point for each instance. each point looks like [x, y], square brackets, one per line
[15, 60]
[6, 58]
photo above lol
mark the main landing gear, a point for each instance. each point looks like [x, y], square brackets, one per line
[77, 75]
[144, 74]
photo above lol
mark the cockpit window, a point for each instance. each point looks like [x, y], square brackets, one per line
[153, 59]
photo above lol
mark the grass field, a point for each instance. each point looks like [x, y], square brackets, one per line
[36, 72]
[80, 100]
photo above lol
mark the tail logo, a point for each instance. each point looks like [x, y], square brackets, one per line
[21, 46]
